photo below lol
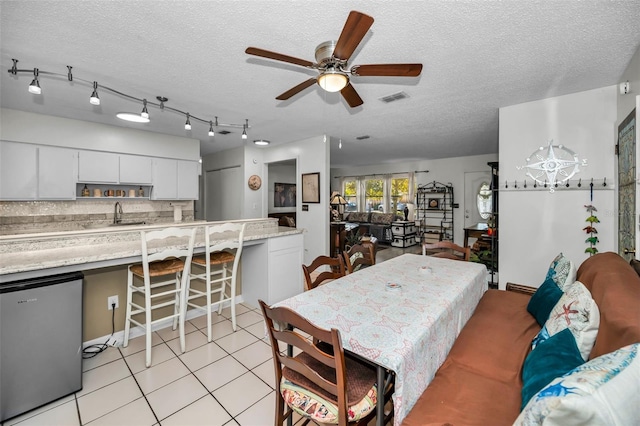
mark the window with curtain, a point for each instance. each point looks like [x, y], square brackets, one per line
[374, 191]
[349, 193]
[399, 193]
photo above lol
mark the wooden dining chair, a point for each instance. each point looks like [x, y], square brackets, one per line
[313, 279]
[447, 250]
[319, 383]
[358, 256]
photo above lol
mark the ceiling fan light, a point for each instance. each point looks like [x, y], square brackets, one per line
[332, 80]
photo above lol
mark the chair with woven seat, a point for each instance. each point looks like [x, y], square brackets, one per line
[319, 383]
[166, 252]
[217, 269]
[447, 250]
[313, 279]
[358, 256]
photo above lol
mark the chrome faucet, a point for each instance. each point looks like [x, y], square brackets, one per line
[117, 216]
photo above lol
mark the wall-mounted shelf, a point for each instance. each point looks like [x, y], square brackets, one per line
[146, 189]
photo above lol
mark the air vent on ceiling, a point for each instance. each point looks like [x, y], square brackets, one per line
[394, 97]
[363, 137]
[223, 132]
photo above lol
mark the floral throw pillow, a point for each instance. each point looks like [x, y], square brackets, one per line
[562, 271]
[577, 311]
[603, 391]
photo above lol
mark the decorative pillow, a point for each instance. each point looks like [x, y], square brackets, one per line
[312, 405]
[550, 359]
[578, 312]
[543, 300]
[562, 271]
[382, 218]
[603, 391]
[358, 217]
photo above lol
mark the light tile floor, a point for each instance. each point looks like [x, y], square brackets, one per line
[229, 381]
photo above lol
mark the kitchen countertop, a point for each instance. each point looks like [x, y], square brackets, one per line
[93, 248]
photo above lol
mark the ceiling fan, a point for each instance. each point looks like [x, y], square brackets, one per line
[332, 58]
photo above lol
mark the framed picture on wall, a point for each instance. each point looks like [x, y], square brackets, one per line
[311, 187]
[434, 204]
[284, 194]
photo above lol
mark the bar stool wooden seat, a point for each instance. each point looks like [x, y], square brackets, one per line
[165, 252]
[218, 269]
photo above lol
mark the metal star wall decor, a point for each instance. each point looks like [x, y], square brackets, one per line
[557, 165]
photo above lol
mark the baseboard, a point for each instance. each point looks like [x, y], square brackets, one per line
[118, 337]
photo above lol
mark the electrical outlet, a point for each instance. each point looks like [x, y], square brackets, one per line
[112, 300]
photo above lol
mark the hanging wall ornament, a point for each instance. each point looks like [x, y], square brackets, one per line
[592, 239]
[553, 164]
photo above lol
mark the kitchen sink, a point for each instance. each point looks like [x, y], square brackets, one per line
[127, 223]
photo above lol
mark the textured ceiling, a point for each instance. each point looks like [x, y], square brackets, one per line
[478, 56]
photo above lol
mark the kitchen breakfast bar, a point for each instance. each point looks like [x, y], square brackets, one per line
[270, 261]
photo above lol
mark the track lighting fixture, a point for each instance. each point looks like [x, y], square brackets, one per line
[145, 112]
[94, 99]
[34, 87]
[143, 117]
[340, 144]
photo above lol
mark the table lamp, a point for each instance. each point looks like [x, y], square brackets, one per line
[338, 202]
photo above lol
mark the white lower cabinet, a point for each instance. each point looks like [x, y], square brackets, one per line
[272, 271]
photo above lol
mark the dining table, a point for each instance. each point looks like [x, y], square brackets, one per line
[401, 315]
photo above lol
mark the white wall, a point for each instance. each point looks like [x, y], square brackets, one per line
[312, 155]
[448, 170]
[29, 127]
[536, 225]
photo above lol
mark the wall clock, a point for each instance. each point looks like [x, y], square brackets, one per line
[255, 182]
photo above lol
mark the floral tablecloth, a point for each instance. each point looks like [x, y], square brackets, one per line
[409, 329]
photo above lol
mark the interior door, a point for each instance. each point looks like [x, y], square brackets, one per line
[627, 186]
[472, 183]
[222, 199]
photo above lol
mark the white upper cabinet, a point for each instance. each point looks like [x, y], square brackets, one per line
[135, 169]
[57, 172]
[98, 167]
[174, 179]
[18, 171]
[31, 172]
[187, 180]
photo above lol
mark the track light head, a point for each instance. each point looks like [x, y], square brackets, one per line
[94, 99]
[34, 87]
[145, 112]
[187, 125]
[244, 129]
[211, 132]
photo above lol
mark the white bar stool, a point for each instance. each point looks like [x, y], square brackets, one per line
[219, 241]
[162, 251]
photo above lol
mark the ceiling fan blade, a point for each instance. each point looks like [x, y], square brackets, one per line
[351, 96]
[297, 89]
[388, 70]
[278, 57]
[352, 34]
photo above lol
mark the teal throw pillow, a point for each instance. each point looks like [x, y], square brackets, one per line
[552, 358]
[543, 300]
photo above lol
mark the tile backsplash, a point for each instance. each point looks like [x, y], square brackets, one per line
[26, 217]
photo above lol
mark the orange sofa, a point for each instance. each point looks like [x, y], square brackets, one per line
[480, 381]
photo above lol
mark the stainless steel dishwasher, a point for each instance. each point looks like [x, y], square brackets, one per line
[40, 341]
